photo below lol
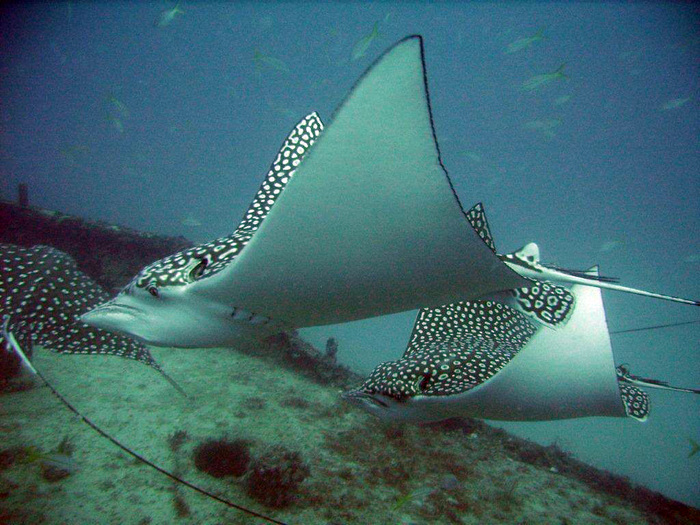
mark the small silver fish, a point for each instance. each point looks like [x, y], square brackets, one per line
[675, 103]
[539, 81]
[263, 61]
[526, 42]
[167, 16]
[560, 101]
[359, 50]
[191, 221]
[544, 126]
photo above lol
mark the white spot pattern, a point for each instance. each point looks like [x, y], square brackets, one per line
[477, 218]
[546, 302]
[452, 349]
[178, 269]
[636, 401]
[44, 293]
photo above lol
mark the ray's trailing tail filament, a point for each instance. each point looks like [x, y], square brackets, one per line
[655, 327]
[623, 373]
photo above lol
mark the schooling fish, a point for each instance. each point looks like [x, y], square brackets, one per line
[484, 359]
[43, 294]
[539, 81]
[166, 17]
[523, 43]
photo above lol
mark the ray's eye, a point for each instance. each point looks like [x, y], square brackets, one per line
[422, 383]
[153, 290]
[198, 270]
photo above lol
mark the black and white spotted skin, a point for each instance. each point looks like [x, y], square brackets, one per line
[207, 259]
[452, 349]
[462, 324]
[636, 401]
[548, 303]
[543, 301]
[338, 241]
[174, 301]
[456, 348]
[43, 294]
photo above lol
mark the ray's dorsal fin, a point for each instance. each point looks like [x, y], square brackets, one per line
[529, 253]
[526, 263]
[477, 218]
[544, 302]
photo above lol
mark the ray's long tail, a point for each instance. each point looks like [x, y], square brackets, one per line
[573, 277]
[623, 374]
[526, 262]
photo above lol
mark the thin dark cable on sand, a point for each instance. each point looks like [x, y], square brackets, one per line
[141, 458]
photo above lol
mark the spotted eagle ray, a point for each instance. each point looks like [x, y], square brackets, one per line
[42, 295]
[485, 359]
[368, 224]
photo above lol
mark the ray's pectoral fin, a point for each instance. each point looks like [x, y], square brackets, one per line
[371, 200]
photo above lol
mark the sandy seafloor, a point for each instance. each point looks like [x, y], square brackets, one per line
[360, 469]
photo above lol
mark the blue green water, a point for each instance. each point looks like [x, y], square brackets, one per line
[170, 129]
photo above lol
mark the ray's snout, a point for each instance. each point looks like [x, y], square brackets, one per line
[109, 316]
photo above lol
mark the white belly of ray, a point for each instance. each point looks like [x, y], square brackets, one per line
[559, 374]
[369, 224]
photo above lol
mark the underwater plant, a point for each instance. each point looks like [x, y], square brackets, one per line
[275, 476]
[220, 458]
[55, 465]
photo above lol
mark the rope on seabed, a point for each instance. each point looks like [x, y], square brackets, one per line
[12, 345]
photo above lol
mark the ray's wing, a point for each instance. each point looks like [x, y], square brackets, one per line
[460, 324]
[370, 224]
[207, 259]
[469, 342]
[43, 293]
